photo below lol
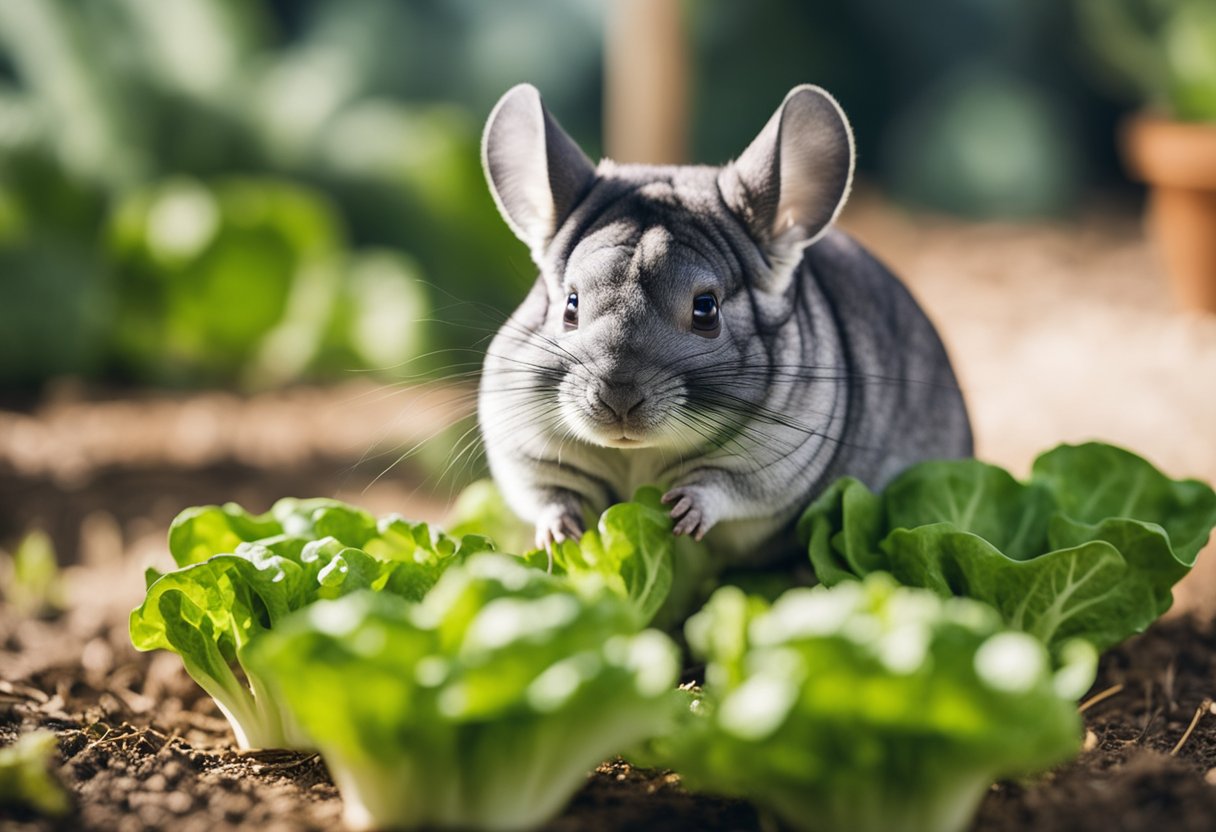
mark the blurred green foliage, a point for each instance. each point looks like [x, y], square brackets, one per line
[189, 194]
[974, 107]
[212, 279]
[32, 585]
[246, 192]
[26, 781]
[1164, 51]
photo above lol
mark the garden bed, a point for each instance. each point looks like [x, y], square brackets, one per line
[141, 747]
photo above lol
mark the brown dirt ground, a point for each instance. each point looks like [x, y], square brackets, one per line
[1058, 332]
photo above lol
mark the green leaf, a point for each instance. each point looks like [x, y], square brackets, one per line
[841, 529]
[1093, 482]
[630, 551]
[481, 509]
[198, 533]
[1089, 548]
[974, 497]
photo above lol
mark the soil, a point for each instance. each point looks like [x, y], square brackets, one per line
[104, 472]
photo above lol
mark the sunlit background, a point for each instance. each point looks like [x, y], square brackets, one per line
[246, 248]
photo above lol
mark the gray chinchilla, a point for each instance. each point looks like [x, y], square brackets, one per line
[705, 329]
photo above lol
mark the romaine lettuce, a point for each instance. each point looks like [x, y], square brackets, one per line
[870, 707]
[1089, 547]
[482, 707]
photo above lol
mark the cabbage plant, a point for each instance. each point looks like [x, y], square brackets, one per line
[870, 707]
[481, 707]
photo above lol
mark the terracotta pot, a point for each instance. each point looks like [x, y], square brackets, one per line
[1178, 161]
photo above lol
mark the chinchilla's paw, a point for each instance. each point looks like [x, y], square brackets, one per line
[556, 524]
[693, 510]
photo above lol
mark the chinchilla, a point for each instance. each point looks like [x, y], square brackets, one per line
[705, 329]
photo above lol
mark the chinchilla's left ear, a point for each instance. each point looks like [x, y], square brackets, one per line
[536, 172]
[793, 179]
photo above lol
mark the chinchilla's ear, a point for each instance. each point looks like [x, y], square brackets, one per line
[793, 179]
[536, 172]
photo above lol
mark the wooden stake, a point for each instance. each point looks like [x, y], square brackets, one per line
[646, 81]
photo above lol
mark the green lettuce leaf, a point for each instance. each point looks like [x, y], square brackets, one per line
[630, 549]
[414, 706]
[1089, 547]
[240, 574]
[870, 707]
[481, 509]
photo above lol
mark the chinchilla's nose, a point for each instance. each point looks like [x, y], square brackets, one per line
[621, 396]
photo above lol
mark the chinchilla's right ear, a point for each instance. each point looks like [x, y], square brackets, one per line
[792, 180]
[536, 172]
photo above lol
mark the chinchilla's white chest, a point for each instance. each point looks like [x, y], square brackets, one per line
[628, 469]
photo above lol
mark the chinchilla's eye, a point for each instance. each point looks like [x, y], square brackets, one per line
[705, 315]
[570, 318]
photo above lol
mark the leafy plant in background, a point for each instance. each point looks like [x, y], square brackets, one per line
[481, 707]
[870, 707]
[32, 583]
[158, 163]
[233, 278]
[56, 304]
[1089, 547]
[1164, 50]
[26, 781]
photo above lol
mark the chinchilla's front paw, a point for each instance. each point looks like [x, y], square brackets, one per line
[694, 510]
[557, 523]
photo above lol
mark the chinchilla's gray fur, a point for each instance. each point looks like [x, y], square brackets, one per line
[823, 365]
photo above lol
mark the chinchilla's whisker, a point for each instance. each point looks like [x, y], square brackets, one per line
[794, 373]
[704, 431]
[468, 439]
[736, 421]
[389, 390]
[531, 337]
[469, 448]
[567, 435]
[717, 429]
[408, 453]
[368, 452]
[468, 397]
[720, 396]
[737, 432]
